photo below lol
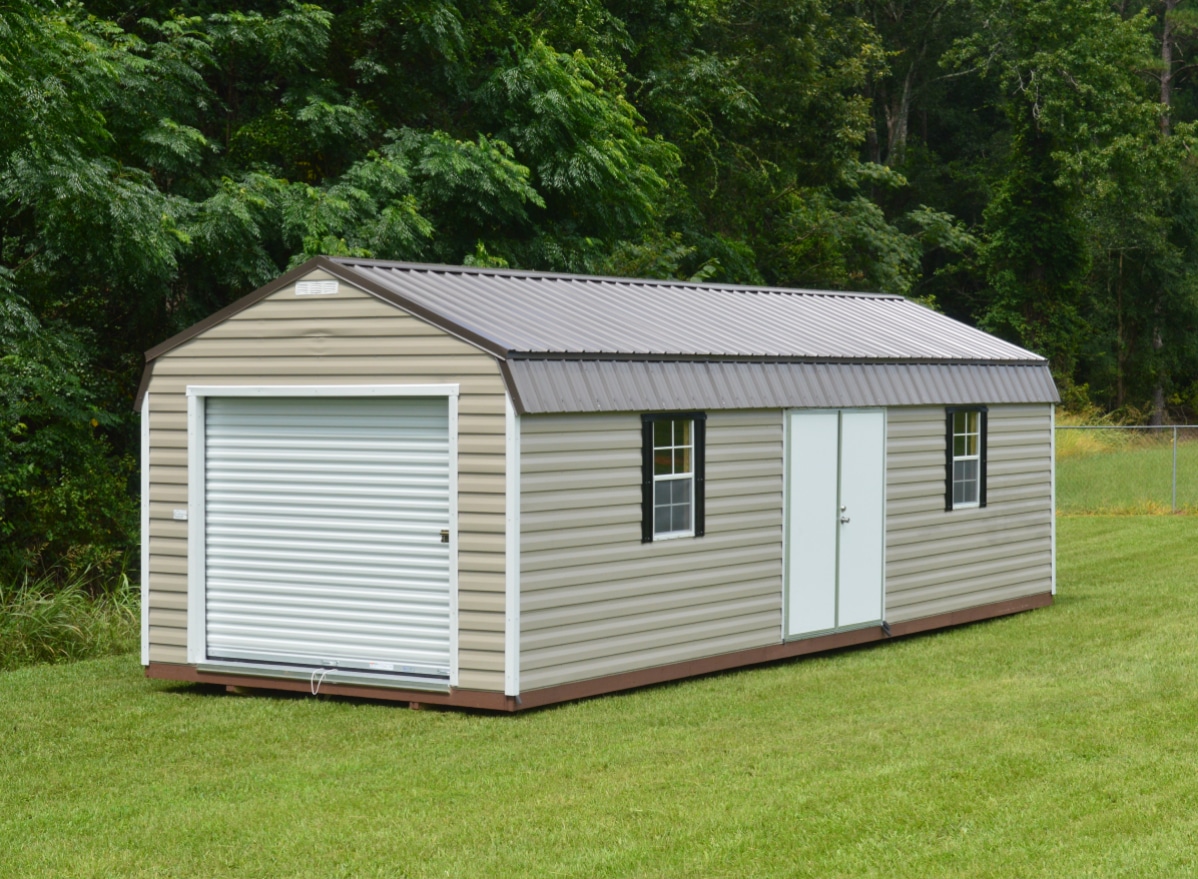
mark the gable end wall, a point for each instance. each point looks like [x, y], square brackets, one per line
[349, 338]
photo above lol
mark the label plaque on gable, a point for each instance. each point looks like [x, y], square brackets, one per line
[316, 288]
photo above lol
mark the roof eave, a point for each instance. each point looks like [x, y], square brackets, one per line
[600, 356]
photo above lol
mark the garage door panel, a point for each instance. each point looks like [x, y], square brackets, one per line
[397, 601]
[276, 478]
[268, 578]
[330, 504]
[317, 528]
[351, 556]
[323, 520]
[333, 632]
[331, 618]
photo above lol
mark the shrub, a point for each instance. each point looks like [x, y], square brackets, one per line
[49, 620]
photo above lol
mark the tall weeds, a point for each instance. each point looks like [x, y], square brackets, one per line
[47, 621]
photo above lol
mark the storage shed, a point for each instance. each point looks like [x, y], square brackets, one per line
[503, 489]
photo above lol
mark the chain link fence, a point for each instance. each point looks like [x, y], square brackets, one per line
[1118, 469]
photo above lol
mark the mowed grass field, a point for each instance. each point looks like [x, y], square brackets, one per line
[1125, 472]
[1057, 743]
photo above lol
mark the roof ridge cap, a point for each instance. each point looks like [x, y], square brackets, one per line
[538, 275]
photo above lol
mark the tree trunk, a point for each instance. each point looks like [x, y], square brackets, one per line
[872, 147]
[1158, 390]
[1120, 348]
[1168, 38]
[1157, 417]
[898, 113]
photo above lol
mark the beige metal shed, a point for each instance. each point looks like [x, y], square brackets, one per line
[503, 489]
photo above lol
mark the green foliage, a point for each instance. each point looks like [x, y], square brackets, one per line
[64, 501]
[369, 211]
[1008, 161]
[474, 189]
[1035, 256]
[1082, 123]
[592, 155]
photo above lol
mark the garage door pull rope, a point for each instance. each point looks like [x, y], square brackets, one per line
[314, 682]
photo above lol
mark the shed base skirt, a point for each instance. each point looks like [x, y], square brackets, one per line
[460, 698]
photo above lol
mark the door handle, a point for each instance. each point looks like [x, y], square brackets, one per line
[844, 520]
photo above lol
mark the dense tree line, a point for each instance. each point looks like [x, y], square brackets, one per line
[1024, 165]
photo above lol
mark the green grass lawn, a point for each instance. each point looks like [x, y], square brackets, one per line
[1062, 742]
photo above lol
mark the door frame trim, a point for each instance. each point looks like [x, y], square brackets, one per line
[197, 630]
[787, 442]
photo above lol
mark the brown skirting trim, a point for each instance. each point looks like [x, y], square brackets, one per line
[786, 650]
[612, 683]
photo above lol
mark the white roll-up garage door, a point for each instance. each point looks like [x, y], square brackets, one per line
[323, 525]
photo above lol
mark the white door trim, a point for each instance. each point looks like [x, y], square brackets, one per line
[511, 625]
[1052, 478]
[144, 585]
[452, 405]
[197, 633]
[445, 390]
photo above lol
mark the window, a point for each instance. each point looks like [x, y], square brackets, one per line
[672, 475]
[965, 462]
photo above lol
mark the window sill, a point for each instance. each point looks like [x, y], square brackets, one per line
[673, 535]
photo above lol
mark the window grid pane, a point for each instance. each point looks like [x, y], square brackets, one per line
[966, 471]
[662, 434]
[673, 476]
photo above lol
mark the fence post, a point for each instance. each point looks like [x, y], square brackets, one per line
[1175, 468]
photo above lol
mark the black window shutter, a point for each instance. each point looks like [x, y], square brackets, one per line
[700, 461]
[646, 479]
[948, 458]
[982, 457]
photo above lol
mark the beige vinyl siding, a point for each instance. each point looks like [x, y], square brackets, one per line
[349, 338]
[595, 600]
[941, 561]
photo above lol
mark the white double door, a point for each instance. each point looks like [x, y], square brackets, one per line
[835, 519]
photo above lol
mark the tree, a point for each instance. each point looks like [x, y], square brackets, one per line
[1080, 118]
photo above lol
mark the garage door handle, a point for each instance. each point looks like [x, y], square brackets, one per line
[844, 520]
[445, 535]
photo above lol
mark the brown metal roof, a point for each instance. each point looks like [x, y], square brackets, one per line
[572, 343]
[614, 386]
